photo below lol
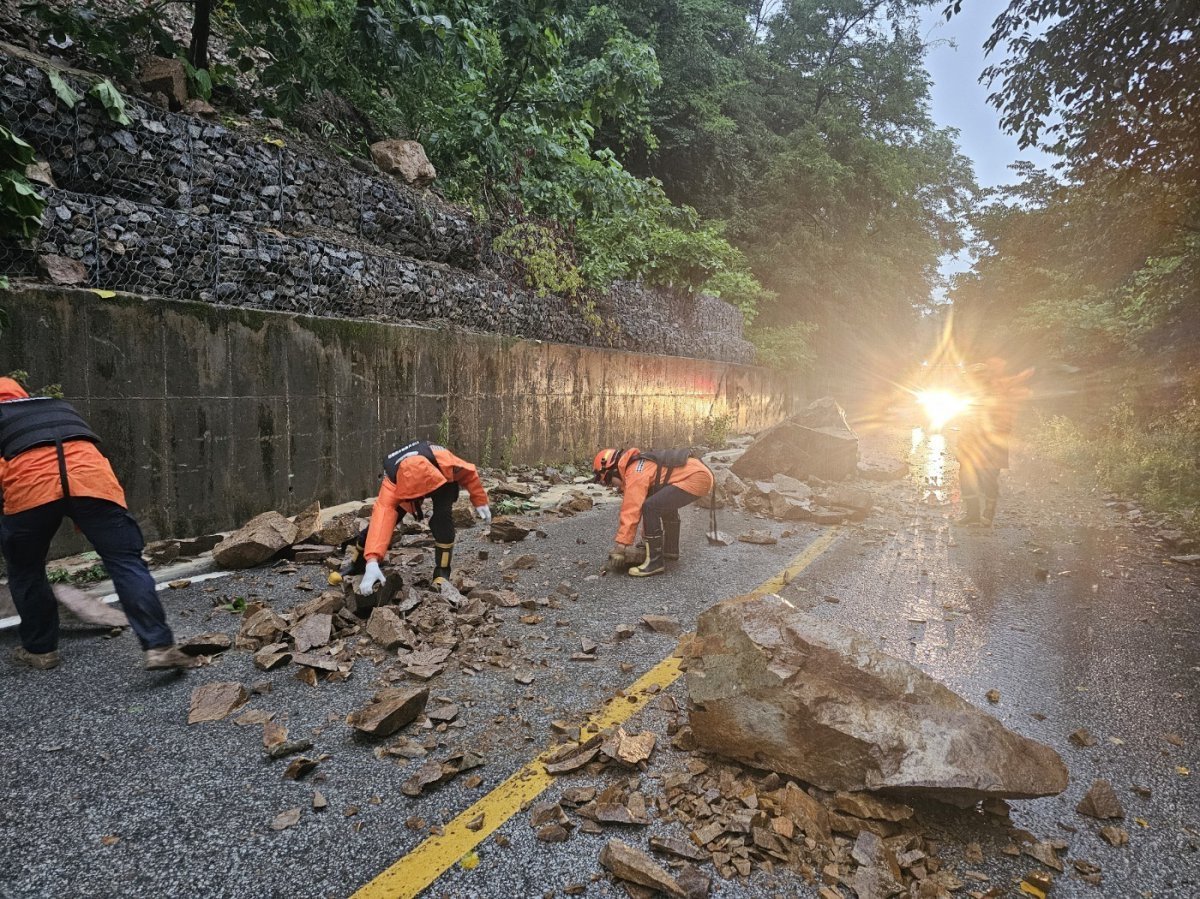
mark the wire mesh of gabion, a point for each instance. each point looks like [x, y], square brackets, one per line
[181, 207]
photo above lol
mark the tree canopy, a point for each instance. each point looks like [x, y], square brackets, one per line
[780, 154]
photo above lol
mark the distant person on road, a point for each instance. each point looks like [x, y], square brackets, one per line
[51, 468]
[414, 473]
[655, 486]
[986, 437]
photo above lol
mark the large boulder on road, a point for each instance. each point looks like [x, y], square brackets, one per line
[258, 540]
[816, 442]
[778, 689]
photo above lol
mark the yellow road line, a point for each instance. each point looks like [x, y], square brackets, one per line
[437, 854]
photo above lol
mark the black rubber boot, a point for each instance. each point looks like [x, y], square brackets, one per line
[670, 539]
[442, 554]
[989, 511]
[654, 559]
[970, 513]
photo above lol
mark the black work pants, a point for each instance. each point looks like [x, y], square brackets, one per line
[664, 504]
[441, 523]
[25, 540]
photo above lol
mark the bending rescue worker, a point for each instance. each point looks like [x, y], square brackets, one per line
[412, 474]
[656, 485]
[51, 468]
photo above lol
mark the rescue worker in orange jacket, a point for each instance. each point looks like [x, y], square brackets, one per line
[986, 436]
[51, 467]
[414, 473]
[655, 486]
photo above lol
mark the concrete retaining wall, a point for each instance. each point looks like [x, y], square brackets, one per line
[213, 414]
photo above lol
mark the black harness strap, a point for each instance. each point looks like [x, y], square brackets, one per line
[62, 470]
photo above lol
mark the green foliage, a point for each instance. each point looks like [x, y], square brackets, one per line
[443, 437]
[714, 430]
[199, 81]
[113, 35]
[62, 90]
[51, 390]
[545, 259]
[485, 458]
[513, 506]
[786, 348]
[1106, 85]
[742, 290]
[112, 101]
[780, 155]
[509, 452]
[237, 605]
[20, 204]
[1157, 459]
[91, 575]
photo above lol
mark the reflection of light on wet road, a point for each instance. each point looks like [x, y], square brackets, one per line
[928, 452]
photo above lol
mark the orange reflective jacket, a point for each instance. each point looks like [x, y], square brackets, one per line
[415, 480]
[32, 478]
[638, 476]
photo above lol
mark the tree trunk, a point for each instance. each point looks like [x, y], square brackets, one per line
[201, 26]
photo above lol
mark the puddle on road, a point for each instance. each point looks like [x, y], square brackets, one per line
[927, 458]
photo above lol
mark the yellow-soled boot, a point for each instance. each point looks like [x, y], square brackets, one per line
[654, 559]
[442, 554]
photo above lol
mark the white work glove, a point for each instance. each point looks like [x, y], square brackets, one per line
[484, 513]
[371, 578]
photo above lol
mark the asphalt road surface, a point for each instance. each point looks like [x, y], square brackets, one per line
[108, 792]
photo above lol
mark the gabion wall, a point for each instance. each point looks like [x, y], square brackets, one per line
[179, 207]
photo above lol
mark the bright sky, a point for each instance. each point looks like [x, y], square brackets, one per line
[955, 61]
[959, 100]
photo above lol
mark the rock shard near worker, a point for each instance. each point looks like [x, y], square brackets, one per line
[778, 689]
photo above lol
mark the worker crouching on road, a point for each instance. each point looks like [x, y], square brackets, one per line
[51, 467]
[656, 485]
[412, 474]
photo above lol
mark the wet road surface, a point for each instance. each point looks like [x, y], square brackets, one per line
[108, 792]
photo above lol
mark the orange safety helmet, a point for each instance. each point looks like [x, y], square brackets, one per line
[605, 464]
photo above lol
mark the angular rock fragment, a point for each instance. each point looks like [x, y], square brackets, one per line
[778, 689]
[1101, 802]
[633, 865]
[629, 749]
[258, 540]
[864, 805]
[662, 624]
[387, 628]
[206, 644]
[312, 632]
[312, 553]
[389, 711]
[308, 525]
[816, 442]
[299, 768]
[214, 701]
[271, 657]
[505, 530]
[287, 819]
[1114, 836]
[758, 538]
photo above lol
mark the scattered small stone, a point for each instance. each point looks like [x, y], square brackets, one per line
[1101, 802]
[214, 701]
[287, 819]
